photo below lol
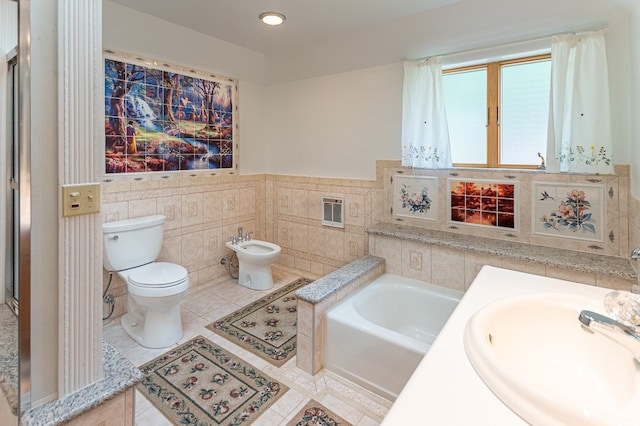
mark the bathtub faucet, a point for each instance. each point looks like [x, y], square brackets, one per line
[626, 336]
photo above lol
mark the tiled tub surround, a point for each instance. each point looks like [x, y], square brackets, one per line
[377, 336]
[316, 298]
[617, 201]
[446, 259]
[112, 395]
[453, 260]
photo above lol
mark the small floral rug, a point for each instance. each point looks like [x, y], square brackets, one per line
[266, 327]
[316, 414]
[199, 383]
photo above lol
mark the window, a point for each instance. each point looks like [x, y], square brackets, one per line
[498, 112]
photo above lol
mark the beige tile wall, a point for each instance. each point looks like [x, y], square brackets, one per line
[634, 223]
[295, 220]
[456, 269]
[634, 228]
[204, 211]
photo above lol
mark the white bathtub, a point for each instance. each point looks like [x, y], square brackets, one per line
[377, 336]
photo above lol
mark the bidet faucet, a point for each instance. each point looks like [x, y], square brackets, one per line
[626, 336]
[239, 233]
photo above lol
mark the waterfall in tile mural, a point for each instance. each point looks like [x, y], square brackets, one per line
[159, 120]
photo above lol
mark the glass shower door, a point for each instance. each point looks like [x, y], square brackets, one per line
[12, 231]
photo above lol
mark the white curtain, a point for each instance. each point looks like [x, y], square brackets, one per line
[579, 115]
[425, 135]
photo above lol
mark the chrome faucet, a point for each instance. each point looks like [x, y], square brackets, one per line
[626, 336]
[239, 234]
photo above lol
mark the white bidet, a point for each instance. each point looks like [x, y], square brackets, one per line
[254, 259]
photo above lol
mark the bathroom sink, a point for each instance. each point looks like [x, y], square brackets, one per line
[533, 354]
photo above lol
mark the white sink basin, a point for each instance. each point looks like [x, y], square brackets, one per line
[533, 354]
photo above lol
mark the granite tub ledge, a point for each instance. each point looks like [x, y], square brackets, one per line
[324, 287]
[119, 375]
[599, 264]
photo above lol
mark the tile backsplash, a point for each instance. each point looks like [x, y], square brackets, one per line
[612, 218]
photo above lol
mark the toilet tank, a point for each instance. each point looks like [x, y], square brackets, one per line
[132, 242]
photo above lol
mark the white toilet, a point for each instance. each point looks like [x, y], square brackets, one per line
[155, 288]
[254, 259]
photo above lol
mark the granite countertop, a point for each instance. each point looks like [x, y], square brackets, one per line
[119, 375]
[561, 258]
[9, 357]
[323, 287]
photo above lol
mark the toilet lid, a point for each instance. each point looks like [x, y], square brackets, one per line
[159, 274]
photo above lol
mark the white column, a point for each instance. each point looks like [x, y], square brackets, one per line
[81, 108]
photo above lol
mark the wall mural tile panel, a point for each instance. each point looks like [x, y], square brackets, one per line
[483, 202]
[161, 118]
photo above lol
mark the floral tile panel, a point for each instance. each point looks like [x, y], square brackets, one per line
[415, 197]
[568, 211]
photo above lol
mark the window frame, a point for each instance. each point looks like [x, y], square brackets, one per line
[493, 109]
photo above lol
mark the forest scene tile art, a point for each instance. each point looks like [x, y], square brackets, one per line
[484, 203]
[568, 211]
[161, 120]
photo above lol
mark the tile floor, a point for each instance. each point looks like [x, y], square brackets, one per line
[207, 303]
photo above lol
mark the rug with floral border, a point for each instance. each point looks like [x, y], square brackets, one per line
[316, 414]
[266, 327]
[199, 383]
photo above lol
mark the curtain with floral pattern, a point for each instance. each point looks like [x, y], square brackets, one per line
[425, 135]
[579, 115]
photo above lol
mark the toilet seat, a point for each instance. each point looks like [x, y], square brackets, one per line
[158, 275]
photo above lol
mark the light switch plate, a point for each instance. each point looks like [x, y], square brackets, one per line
[80, 199]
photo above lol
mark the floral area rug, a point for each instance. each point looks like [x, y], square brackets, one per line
[266, 327]
[199, 383]
[316, 414]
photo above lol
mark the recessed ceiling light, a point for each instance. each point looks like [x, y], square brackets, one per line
[272, 18]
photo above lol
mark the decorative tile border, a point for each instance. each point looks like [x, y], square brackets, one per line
[415, 197]
[574, 211]
[485, 203]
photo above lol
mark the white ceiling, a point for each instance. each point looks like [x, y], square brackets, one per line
[308, 21]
